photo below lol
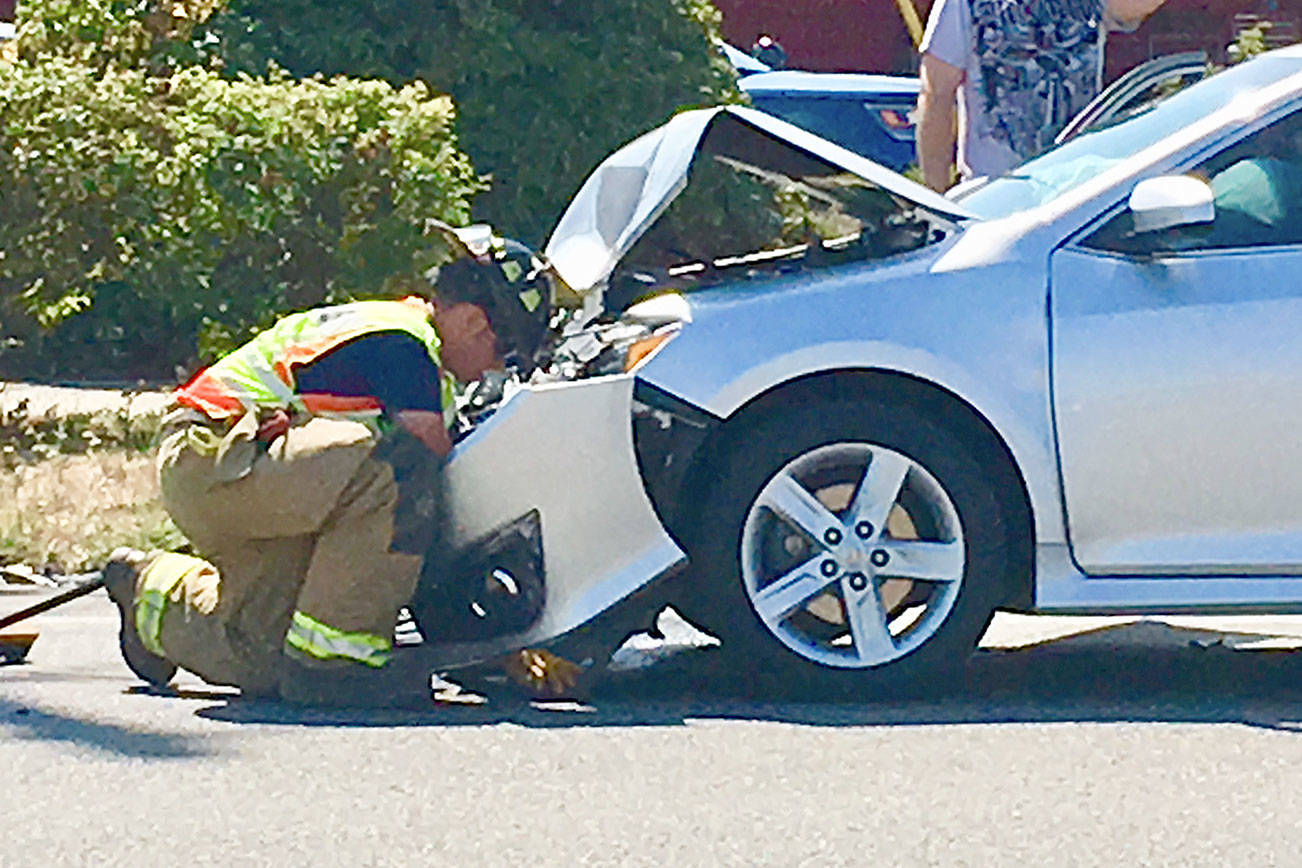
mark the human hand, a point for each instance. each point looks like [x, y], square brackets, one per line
[273, 426]
[1131, 13]
[544, 673]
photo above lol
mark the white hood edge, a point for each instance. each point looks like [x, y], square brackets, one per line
[632, 187]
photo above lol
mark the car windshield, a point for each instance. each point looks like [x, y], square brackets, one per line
[1057, 171]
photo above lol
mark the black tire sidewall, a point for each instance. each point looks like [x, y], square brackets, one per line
[753, 453]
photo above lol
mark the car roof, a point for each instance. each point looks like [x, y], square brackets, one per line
[832, 85]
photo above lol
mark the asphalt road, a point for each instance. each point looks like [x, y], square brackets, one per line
[1109, 743]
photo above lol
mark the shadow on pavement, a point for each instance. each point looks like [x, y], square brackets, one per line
[1142, 672]
[37, 724]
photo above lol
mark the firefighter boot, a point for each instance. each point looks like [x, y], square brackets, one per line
[120, 575]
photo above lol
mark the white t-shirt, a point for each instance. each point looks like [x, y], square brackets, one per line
[1029, 67]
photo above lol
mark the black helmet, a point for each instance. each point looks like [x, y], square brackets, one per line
[505, 278]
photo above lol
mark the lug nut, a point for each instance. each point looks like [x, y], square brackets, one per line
[829, 567]
[864, 529]
[832, 536]
[880, 558]
[858, 581]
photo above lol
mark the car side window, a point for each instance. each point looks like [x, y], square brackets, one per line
[1257, 188]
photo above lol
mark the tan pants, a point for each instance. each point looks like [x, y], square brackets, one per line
[302, 525]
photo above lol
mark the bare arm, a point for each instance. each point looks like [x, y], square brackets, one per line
[1131, 13]
[936, 120]
[428, 428]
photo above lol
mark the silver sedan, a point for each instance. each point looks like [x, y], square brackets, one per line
[864, 416]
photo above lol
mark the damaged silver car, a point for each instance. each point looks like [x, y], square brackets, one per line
[839, 420]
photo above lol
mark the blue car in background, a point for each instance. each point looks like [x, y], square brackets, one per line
[868, 113]
[871, 114]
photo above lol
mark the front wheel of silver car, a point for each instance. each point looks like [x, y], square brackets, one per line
[852, 538]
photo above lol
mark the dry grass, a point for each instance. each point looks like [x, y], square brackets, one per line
[72, 510]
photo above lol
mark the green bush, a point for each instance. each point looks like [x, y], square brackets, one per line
[148, 201]
[546, 88]
[102, 33]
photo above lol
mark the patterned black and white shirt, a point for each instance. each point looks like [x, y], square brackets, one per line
[1029, 66]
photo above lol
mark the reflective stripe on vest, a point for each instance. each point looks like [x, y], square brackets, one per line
[157, 582]
[261, 373]
[309, 636]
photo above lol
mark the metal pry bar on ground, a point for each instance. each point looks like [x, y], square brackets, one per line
[14, 648]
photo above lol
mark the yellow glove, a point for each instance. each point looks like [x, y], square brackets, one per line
[543, 672]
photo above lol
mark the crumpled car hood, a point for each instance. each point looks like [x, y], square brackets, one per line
[633, 186]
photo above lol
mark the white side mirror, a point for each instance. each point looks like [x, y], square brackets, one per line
[1171, 200]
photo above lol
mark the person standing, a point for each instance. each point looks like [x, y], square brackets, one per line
[1001, 78]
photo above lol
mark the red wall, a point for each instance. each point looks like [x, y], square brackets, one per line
[869, 35]
[7, 10]
[1184, 25]
[826, 35]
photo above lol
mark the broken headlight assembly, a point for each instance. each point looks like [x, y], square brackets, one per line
[624, 345]
[583, 345]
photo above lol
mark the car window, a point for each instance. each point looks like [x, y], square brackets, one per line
[1144, 100]
[1257, 190]
[882, 134]
[1058, 170]
[756, 205]
[1139, 90]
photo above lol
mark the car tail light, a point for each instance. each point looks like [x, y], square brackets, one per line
[895, 119]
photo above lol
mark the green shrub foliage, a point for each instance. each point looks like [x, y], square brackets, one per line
[545, 88]
[147, 201]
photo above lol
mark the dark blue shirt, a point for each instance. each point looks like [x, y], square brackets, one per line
[391, 366]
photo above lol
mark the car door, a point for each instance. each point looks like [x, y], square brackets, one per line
[1137, 91]
[1177, 378]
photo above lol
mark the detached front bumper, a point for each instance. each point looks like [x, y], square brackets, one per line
[566, 451]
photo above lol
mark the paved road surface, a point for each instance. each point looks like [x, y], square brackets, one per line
[1122, 743]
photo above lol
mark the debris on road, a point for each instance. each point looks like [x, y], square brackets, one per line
[642, 650]
[14, 647]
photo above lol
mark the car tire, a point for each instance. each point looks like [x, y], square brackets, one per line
[796, 549]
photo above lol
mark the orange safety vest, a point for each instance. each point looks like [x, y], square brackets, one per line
[260, 374]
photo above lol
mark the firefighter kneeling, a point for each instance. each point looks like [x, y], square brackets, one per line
[277, 464]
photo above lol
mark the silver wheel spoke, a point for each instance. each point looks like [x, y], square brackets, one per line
[879, 488]
[872, 638]
[929, 561]
[793, 502]
[783, 595]
[816, 508]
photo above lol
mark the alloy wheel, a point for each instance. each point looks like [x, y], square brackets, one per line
[852, 555]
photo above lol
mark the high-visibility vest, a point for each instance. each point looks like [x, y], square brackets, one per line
[261, 374]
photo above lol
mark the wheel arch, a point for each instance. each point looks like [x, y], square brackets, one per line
[866, 384]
